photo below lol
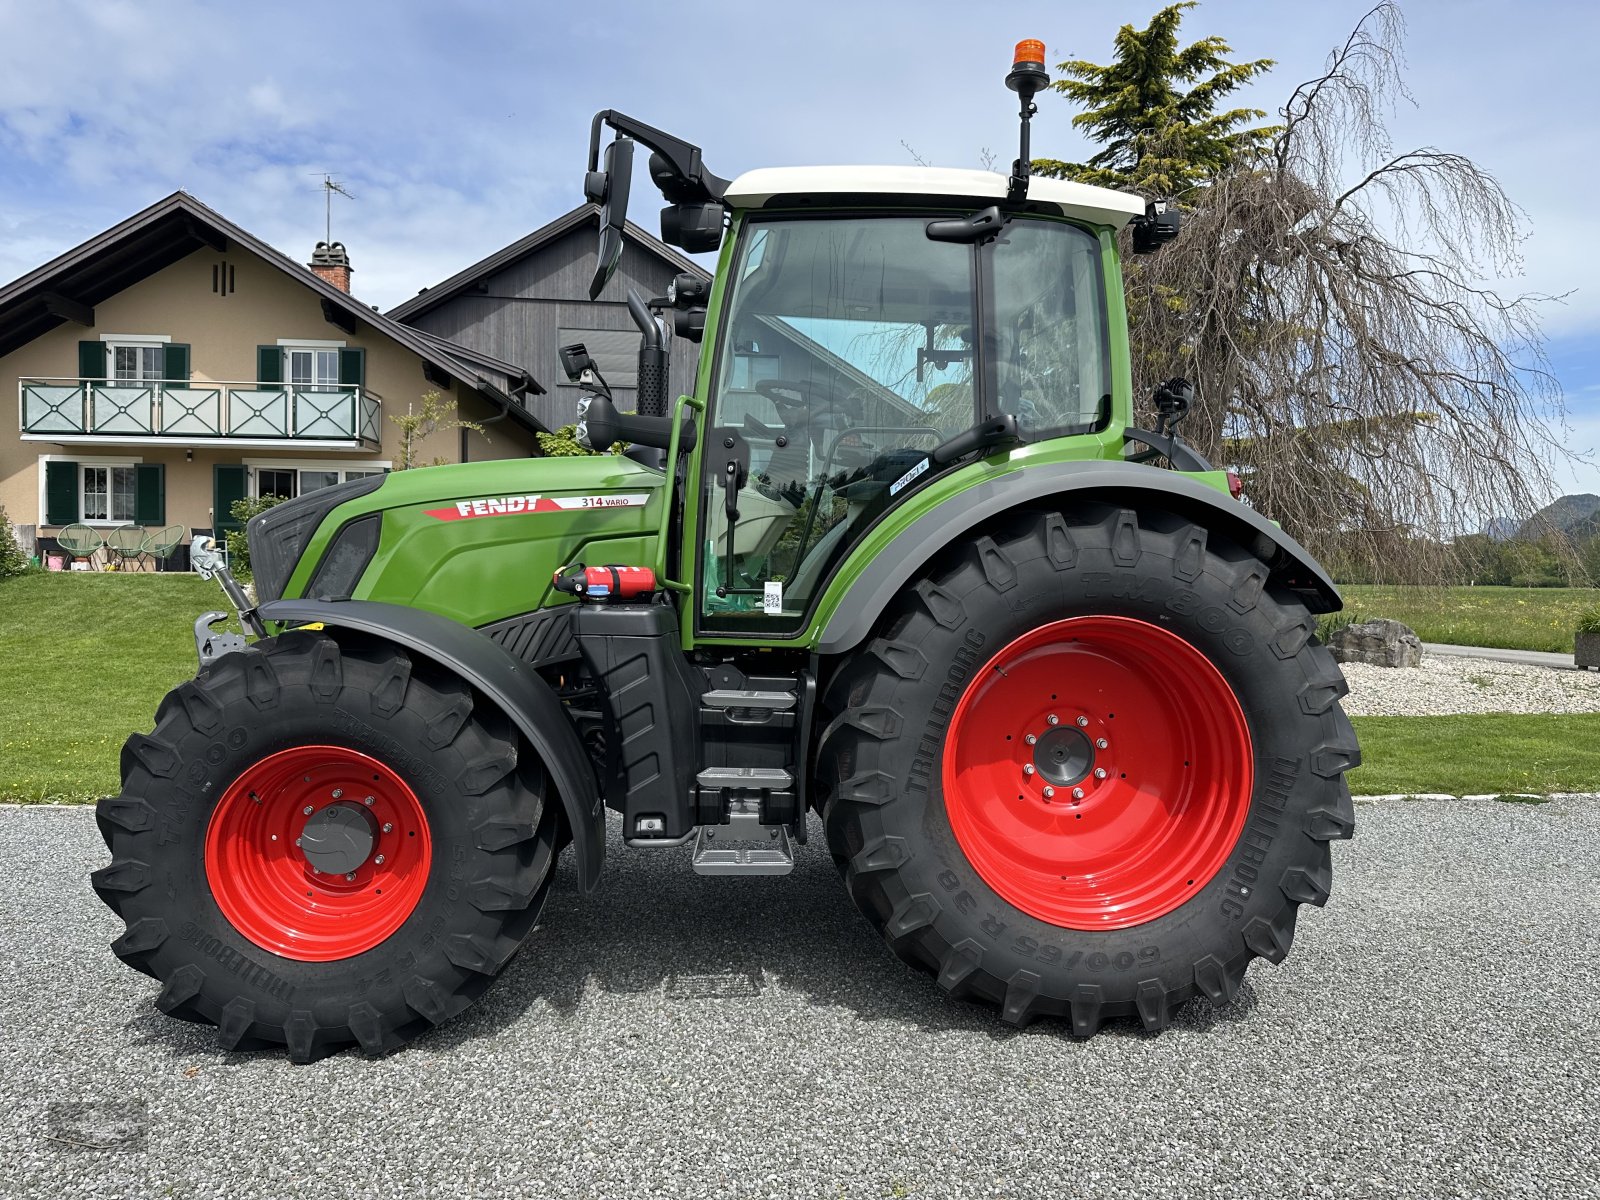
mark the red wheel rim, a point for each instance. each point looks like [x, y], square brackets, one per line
[270, 890]
[1134, 789]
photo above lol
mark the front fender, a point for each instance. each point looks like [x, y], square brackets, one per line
[874, 583]
[519, 692]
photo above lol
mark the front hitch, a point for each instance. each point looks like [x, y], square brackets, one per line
[210, 645]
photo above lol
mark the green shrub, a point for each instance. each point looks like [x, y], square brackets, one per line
[1589, 622]
[12, 560]
[563, 443]
[238, 546]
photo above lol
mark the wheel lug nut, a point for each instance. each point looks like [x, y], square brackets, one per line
[350, 878]
[368, 801]
[1082, 721]
[337, 792]
[1077, 793]
[1099, 772]
[1052, 719]
[1101, 743]
[299, 841]
[1030, 739]
[314, 871]
[1027, 768]
[1049, 791]
[388, 827]
[378, 861]
[308, 810]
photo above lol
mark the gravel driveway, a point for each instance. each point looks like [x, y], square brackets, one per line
[1467, 685]
[1432, 1033]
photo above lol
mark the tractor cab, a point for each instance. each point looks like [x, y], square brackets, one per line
[876, 327]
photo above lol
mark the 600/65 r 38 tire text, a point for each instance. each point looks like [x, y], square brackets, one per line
[325, 844]
[1089, 766]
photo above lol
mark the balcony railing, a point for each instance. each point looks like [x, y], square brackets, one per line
[186, 411]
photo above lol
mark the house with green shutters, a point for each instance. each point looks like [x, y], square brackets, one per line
[175, 363]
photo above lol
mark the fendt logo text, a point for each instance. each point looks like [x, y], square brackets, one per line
[507, 506]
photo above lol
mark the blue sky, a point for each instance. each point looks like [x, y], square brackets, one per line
[461, 126]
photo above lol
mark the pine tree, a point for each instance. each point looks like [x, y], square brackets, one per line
[1159, 138]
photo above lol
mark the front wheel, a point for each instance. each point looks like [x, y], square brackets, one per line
[323, 845]
[1089, 767]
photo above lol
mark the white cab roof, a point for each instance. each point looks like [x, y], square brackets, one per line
[1101, 206]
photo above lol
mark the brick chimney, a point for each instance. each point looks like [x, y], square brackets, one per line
[331, 262]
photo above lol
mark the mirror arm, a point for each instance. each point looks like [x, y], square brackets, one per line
[682, 156]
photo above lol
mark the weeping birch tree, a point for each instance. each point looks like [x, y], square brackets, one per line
[1327, 296]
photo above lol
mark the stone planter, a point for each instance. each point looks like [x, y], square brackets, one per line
[1587, 651]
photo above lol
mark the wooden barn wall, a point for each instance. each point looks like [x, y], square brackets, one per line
[516, 312]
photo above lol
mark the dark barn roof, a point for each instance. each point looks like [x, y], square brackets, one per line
[467, 278]
[68, 287]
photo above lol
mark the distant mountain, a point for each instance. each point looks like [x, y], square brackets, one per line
[1501, 529]
[1569, 514]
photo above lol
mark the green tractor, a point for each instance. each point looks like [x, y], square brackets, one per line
[901, 560]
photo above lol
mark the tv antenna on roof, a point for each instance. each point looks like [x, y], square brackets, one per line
[330, 185]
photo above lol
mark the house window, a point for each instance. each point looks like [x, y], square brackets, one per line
[136, 363]
[273, 481]
[107, 494]
[289, 482]
[313, 368]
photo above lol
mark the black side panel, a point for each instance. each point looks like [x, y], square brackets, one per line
[1113, 482]
[527, 699]
[278, 536]
[540, 638]
[652, 697]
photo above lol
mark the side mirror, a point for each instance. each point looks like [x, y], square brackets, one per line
[608, 188]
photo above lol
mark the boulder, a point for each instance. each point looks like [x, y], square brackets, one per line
[1380, 643]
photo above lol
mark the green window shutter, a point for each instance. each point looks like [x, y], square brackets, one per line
[269, 364]
[61, 492]
[150, 494]
[227, 485]
[353, 368]
[91, 360]
[176, 365]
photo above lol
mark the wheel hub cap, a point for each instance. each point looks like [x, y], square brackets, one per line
[1098, 772]
[339, 838]
[1063, 756]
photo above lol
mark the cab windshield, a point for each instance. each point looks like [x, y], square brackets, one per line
[850, 348]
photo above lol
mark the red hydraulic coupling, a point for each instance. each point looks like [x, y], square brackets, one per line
[605, 583]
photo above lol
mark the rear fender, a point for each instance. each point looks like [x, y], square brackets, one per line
[518, 691]
[1129, 484]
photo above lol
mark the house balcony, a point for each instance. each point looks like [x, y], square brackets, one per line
[179, 411]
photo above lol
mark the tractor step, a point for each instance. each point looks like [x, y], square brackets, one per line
[741, 698]
[746, 779]
[744, 846]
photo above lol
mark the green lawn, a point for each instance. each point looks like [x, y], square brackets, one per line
[1474, 755]
[1506, 617]
[84, 660]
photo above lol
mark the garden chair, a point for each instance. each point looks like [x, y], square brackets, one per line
[160, 543]
[80, 541]
[127, 543]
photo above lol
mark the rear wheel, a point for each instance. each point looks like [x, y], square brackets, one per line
[1089, 767]
[324, 845]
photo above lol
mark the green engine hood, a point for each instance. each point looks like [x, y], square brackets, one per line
[479, 542]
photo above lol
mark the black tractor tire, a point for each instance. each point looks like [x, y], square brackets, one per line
[888, 711]
[493, 825]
